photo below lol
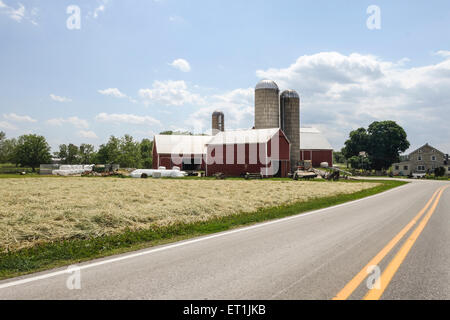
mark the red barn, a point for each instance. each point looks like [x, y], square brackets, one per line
[234, 153]
[314, 146]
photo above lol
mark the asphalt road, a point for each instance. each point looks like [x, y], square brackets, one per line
[310, 256]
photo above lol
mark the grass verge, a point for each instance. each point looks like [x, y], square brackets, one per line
[58, 254]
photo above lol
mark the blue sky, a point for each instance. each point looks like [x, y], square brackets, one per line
[141, 67]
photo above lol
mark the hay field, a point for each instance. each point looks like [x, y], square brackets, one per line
[43, 209]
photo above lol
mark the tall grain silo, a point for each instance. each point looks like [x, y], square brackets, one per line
[290, 122]
[218, 122]
[267, 105]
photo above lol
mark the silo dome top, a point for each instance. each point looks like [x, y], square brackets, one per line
[266, 84]
[290, 94]
[217, 113]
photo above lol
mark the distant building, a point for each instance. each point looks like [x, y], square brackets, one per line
[423, 160]
[314, 146]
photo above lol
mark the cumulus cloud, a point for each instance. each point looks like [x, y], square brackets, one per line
[75, 121]
[87, 134]
[237, 105]
[170, 93]
[181, 65]
[59, 99]
[343, 92]
[127, 118]
[16, 118]
[113, 92]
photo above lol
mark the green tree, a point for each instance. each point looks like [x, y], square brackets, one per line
[130, 153]
[32, 150]
[7, 147]
[338, 157]
[169, 133]
[358, 141]
[72, 154]
[386, 141]
[146, 153]
[87, 153]
[439, 172]
[109, 152]
[360, 162]
[62, 153]
[383, 141]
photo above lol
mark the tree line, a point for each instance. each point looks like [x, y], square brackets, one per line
[32, 150]
[374, 148]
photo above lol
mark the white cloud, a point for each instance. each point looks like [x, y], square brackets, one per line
[59, 99]
[181, 65]
[99, 9]
[127, 118]
[15, 14]
[87, 134]
[18, 14]
[237, 105]
[344, 92]
[443, 53]
[7, 126]
[75, 121]
[17, 118]
[113, 92]
[175, 93]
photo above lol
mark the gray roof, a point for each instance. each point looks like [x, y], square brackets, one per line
[290, 94]
[266, 84]
[313, 139]
[310, 139]
[216, 113]
[181, 144]
[243, 136]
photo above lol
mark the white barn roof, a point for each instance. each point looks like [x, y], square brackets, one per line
[313, 139]
[244, 136]
[310, 139]
[181, 144]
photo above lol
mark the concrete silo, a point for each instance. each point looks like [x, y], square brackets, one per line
[218, 122]
[290, 123]
[267, 105]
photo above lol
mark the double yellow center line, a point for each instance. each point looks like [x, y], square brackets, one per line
[386, 277]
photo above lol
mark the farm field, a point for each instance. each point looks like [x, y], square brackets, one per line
[42, 210]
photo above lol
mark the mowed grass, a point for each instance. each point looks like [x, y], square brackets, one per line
[46, 223]
[45, 210]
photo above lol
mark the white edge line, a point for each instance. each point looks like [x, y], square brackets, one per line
[70, 269]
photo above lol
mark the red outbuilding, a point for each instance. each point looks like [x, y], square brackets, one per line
[184, 151]
[235, 153]
[315, 147]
